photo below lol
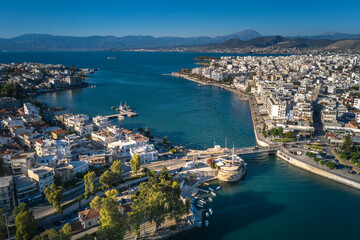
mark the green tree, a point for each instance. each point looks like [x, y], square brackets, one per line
[347, 144]
[173, 151]
[343, 155]
[25, 225]
[309, 154]
[90, 184]
[156, 200]
[21, 208]
[54, 195]
[87, 237]
[280, 131]
[112, 224]
[51, 234]
[248, 88]
[147, 132]
[106, 179]
[165, 140]
[117, 171]
[330, 165]
[354, 155]
[135, 163]
[3, 230]
[290, 134]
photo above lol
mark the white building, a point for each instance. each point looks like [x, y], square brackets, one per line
[101, 122]
[31, 109]
[44, 176]
[147, 153]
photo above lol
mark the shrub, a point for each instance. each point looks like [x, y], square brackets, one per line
[330, 165]
[322, 162]
[316, 159]
[309, 154]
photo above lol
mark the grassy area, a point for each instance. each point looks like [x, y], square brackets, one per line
[315, 147]
[282, 140]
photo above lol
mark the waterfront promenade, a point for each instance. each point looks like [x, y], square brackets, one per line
[341, 176]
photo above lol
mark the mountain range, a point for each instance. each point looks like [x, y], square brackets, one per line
[246, 38]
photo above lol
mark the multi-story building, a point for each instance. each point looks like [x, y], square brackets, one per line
[276, 108]
[6, 192]
[44, 176]
[147, 153]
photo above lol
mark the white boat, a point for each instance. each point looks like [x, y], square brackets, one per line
[211, 211]
[210, 199]
[207, 214]
[206, 223]
[199, 205]
[211, 189]
[202, 202]
[218, 187]
[212, 193]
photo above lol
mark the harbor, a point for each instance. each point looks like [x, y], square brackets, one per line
[271, 191]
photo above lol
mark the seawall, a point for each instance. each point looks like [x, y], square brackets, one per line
[317, 171]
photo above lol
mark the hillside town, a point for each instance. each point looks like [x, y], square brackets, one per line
[31, 78]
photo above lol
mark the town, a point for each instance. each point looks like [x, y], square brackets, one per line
[307, 105]
[56, 166]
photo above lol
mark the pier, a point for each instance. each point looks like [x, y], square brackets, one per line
[118, 116]
[125, 110]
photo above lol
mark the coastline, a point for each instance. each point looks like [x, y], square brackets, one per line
[284, 156]
[36, 94]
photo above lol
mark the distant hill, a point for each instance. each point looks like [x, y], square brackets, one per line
[45, 42]
[345, 44]
[277, 41]
[332, 36]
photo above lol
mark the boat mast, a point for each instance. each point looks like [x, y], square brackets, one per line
[232, 156]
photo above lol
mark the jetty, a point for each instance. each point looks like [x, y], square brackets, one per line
[125, 110]
[118, 116]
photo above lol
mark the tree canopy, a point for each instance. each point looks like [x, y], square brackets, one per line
[156, 200]
[25, 225]
[54, 195]
[51, 234]
[135, 163]
[112, 224]
[90, 184]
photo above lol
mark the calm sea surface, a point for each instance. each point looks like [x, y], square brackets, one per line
[273, 201]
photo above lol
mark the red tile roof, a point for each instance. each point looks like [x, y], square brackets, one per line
[89, 214]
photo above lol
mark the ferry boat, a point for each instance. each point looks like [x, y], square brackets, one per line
[232, 168]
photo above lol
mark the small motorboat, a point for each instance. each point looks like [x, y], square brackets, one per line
[206, 223]
[211, 189]
[199, 205]
[210, 199]
[112, 107]
[212, 193]
[207, 214]
[202, 201]
[211, 211]
[219, 187]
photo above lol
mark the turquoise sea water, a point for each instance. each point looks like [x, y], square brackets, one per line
[273, 201]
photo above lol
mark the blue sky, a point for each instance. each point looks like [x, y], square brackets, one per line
[177, 18]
